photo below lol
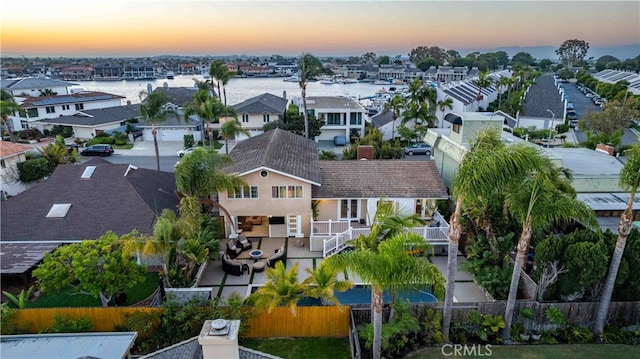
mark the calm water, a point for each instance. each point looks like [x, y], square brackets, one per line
[238, 89]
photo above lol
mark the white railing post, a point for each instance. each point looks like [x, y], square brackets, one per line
[330, 227]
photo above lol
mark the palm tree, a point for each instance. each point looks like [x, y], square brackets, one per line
[482, 82]
[200, 174]
[485, 169]
[219, 70]
[382, 260]
[230, 129]
[447, 103]
[629, 179]
[323, 281]
[200, 107]
[539, 197]
[396, 104]
[502, 83]
[309, 67]
[152, 110]
[281, 289]
[420, 104]
[8, 107]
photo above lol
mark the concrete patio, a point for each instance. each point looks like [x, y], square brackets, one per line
[222, 284]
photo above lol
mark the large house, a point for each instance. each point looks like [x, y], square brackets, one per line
[80, 202]
[87, 124]
[175, 127]
[290, 193]
[257, 111]
[10, 155]
[342, 116]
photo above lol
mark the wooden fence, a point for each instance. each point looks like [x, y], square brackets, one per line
[322, 321]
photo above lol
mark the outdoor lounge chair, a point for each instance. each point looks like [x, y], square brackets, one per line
[280, 255]
[233, 267]
[243, 243]
[232, 249]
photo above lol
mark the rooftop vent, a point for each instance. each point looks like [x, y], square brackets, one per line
[59, 210]
[88, 172]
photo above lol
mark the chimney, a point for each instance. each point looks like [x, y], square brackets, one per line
[219, 339]
[601, 147]
[365, 152]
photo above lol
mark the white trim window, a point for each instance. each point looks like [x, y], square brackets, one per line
[286, 192]
[265, 118]
[245, 118]
[244, 192]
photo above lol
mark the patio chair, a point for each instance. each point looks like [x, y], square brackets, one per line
[280, 255]
[233, 250]
[233, 267]
[243, 243]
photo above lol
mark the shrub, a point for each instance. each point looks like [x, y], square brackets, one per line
[64, 324]
[101, 140]
[188, 141]
[34, 169]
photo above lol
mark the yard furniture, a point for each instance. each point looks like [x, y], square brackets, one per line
[243, 243]
[280, 255]
[258, 267]
[256, 254]
[233, 250]
[233, 267]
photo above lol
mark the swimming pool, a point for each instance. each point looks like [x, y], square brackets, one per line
[361, 294]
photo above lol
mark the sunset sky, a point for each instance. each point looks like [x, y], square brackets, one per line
[157, 27]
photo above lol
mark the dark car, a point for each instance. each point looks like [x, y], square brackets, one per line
[419, 148]
[97, 150]
[572, 115]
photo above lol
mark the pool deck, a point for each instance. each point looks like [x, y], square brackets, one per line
[222, 284]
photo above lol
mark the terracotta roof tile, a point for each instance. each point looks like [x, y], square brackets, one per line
[8, 149]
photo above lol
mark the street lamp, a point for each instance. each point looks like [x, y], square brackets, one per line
[553, 116]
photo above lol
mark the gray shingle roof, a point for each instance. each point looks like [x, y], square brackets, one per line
[191, 349]
[179, 95]
[373, 179]
[382, 118]
[98, 116]
[84, 97]
[278, 150]
[109, 200]
[29, 83]
[265, 103]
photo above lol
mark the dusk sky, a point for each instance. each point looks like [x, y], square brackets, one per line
[158, 27]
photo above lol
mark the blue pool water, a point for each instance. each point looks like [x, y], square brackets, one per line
[362, 295]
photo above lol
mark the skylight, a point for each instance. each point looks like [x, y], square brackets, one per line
[59, 210]
[88, 172]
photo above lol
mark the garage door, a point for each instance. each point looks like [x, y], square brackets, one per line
[167, 134]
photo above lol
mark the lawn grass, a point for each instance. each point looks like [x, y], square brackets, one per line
[126, 146]
[558, 351]
[301, 348]
[67, 298]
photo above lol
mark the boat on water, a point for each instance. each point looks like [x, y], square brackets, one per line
[170, 75]
[325, 80]
[205, 75]
[292, 78]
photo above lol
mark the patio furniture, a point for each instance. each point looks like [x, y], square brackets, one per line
[233, 267]
[280, 255]
[246, 225]
[233, 250]
[256, 221]
[258, 267]
[244, 243]
[256, 254]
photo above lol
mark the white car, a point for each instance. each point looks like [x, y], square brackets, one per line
[181, 153]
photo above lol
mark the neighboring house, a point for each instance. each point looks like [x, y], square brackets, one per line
[34, 86]
[342, 116]
[10, 155]
[49, 107]
[396, 72]
[284, 177]
[614, 76]
[596, 175]
[95, 197]
[69, 345]
[257, 111]
[139, 71]
[174, 128]
[77, 73]
[107, 71]
[89, 123]
[384, 122]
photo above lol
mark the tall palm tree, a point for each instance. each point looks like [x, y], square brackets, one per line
[308, 67]
[447, 103]
[200, 174]
[382, 260]
[483, 81]
[420, 104]
[629, 179]
[396, 105]
[485, 169]
[199, 106]
[230, 129]
[152, 110]
[503, 82]
[8, 107]
[219, 70]
[537, 198]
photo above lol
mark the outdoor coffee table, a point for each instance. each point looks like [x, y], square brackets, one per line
[256, 254]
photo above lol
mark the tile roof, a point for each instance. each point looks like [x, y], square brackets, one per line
[278, 150]
[382, 118]
[99, 116]
[265, 103]
[8, 149]
[86, 96]
[109, 200]
[377, 178]
[191, 349]
[178, 95]
[343, 102]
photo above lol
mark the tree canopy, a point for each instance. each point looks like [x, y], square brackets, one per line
[572, 51]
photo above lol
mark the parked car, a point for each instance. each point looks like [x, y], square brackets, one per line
[181, 153]
[419, 148]
[97, 150]
[569, 105]
[572, 115]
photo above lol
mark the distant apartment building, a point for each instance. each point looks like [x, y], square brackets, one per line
[77, 73]
[107, 71]
[140, 71]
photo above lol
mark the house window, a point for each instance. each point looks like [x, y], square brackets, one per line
[311, 112]
[79, 106]
[286, 192]
[50, 109]
[3, 164]
[265, 118]
[244, 192]
[456, 128]
[356, 118]
[65, 107]
[245, 118]
[335, 119]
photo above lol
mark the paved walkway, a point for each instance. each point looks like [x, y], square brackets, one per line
[222, 284]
